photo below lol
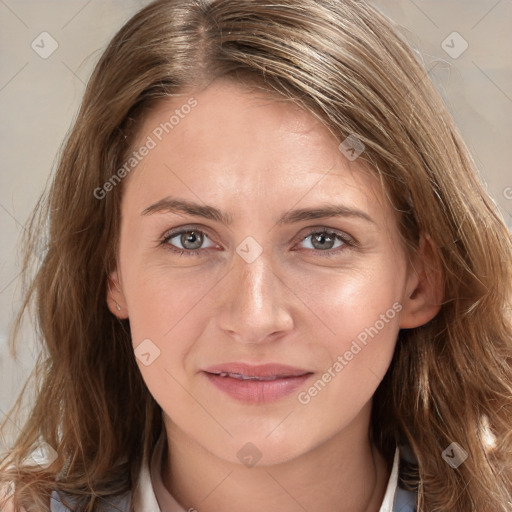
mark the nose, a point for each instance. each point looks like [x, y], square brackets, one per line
[253, 304]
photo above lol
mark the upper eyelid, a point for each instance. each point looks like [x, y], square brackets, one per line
[171, 233]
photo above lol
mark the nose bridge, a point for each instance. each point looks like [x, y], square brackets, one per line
[253, 305]
[256, 286]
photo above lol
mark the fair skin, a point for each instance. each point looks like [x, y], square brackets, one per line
[256, 159]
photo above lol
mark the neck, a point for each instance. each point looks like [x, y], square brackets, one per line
[340, 475]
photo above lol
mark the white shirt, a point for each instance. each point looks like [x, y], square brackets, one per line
[150, 486]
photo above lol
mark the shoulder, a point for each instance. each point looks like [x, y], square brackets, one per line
[116, 504]
[120, 503]
[405, 501]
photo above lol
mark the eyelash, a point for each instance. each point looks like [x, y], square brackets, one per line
[347, 242]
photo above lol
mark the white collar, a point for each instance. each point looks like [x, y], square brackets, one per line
[389, 496]
[144, 497]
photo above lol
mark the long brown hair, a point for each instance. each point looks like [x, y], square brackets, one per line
[449, 381]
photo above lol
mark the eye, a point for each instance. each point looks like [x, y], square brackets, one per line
[190, 239]
[323, 241]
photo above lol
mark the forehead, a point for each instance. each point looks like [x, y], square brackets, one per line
[250, 117]
[238, 144]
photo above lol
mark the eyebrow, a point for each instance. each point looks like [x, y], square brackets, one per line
[172, 205]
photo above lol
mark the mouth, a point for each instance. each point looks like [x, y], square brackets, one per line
[256, 384]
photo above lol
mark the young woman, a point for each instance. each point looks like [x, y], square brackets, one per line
[274, 279]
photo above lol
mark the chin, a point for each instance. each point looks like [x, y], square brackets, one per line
[259, 450]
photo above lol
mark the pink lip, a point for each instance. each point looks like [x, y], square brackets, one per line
[287, 379]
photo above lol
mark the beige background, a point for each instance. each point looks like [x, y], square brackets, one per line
[39, 98]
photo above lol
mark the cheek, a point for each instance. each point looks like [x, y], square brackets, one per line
[165, 315]
[348, 302]
[161, 301]
[356, 364]
[359, 316]
[157, 313]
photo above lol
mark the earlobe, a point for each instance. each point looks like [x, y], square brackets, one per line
[115, 297]
[424, 292]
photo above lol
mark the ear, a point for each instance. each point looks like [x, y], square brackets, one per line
[115, 297]
[424, 290]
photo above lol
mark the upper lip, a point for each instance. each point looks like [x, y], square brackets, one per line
[262, 370]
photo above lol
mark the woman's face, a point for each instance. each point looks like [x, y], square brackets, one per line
[264, 277]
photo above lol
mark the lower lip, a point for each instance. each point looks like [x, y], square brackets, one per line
[257, 391]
